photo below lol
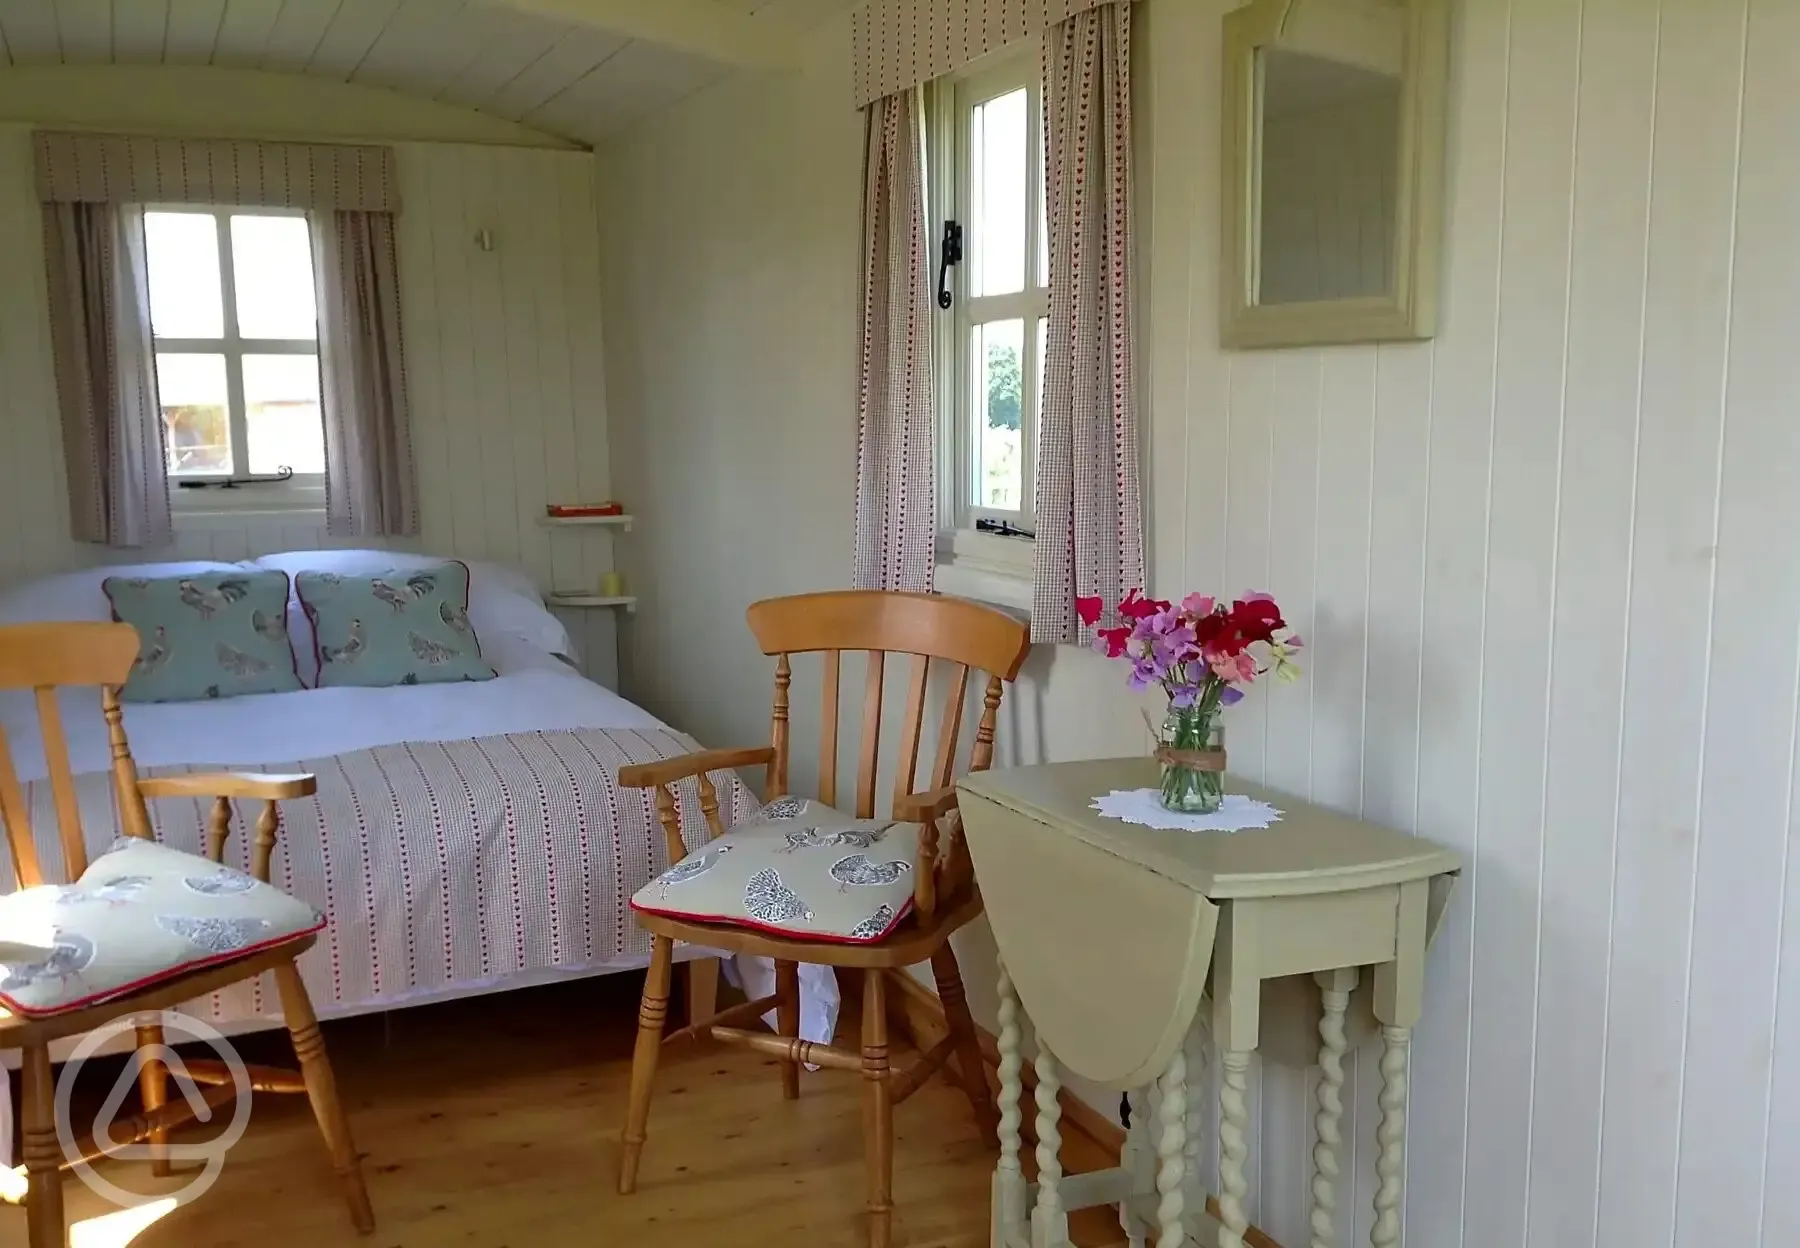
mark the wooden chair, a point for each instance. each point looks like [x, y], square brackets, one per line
[962, 637]
[43, 657]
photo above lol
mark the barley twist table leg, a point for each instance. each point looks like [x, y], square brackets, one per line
[1234, 1146]
[1171, 1153]
[1009, 1179]
[1049, 1221]
[1390, 1137]
[1334, 993]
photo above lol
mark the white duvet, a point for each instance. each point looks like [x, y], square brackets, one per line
[534, 692]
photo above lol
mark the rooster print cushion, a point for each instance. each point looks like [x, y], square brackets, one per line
[207, 635]
[405, 627]
[799, 868]
[142, 913]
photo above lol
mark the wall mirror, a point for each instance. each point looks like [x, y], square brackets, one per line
[1333, 177]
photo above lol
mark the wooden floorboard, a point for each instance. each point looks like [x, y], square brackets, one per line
[495, 1124]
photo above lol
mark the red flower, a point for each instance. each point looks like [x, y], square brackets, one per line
[1115, 639]
[1089, 610]
[1257, 618]
[1137, 607]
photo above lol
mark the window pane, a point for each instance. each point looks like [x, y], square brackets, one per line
[999, 469]
[998, 160]
[271, 268]
[196, 412]
[1037, 416]
[281, 402]
[184, 275]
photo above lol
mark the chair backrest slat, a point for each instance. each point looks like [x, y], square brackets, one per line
[828, 730]
[981, 756]
[46, 658]
[775, 777]
[28, 872]
[870, 752]
[62, 782]
[951, 729]
[133, 815]
[906, 769]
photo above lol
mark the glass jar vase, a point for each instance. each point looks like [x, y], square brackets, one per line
[1191, 751]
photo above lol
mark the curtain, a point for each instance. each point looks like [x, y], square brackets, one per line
[370, 488]
[1090, 527]
[896, 507]
[99, 295]
[897, 44]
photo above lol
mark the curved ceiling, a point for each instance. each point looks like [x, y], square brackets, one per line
[582, 69]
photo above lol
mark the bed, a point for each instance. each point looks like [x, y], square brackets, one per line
[466, 838]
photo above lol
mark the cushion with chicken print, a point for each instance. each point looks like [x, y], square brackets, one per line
[205, 635]
[409, 626]
[799, 868]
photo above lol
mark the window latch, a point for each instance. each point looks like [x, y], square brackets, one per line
[231, 483]
[950, 252]
[1001, 528]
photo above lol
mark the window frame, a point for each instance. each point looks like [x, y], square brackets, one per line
[301, 487]
[951, 102]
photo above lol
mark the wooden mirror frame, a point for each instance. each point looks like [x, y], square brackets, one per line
[1409, 311]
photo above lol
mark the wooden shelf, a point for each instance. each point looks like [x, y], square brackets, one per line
[591, 600]
[560, 522]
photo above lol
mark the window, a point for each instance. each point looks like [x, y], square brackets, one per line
[237, 342]
[986, 170]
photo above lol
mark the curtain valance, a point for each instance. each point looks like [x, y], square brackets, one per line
[118, 168]
[897, 44]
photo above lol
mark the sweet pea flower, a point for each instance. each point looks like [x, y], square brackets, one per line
[1144, 673]
[1197, 605]
[1234, 667]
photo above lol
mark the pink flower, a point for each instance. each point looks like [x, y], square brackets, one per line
[1197, 605]
[1233, 667]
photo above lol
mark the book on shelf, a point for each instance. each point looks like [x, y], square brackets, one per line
[571, 511]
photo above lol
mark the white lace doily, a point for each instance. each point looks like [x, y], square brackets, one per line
[1144, 807]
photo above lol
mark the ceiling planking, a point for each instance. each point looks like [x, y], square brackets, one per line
[546, 70]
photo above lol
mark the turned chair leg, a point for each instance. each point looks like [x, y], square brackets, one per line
[43, 1153]
[153, 1091]
[651, 1012]
[878, 1110]
[787, 1022]
[970, 1069]
[321, 1090]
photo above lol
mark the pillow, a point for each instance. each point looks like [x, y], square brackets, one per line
[503, 601]
[210, 635]
[79, 596]
[402, 627]
[142, 913]
[798, 867]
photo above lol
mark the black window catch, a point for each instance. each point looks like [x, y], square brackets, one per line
[1001, 528]
[950, 251]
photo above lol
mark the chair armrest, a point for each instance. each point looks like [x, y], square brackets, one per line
[669, 770]
[246, 784]
[918, 807]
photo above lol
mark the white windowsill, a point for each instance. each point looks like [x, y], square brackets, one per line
[212, 507]
[988, 569]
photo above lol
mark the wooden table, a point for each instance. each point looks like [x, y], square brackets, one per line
[1111, 935]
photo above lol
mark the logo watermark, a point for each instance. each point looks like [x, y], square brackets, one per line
[210, 1153]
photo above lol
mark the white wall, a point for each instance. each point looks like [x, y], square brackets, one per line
[503, 358]
[1548, 565]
